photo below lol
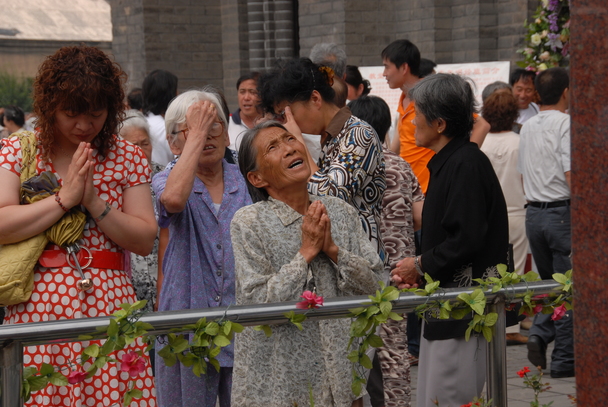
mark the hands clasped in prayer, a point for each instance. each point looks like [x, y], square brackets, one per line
[316, 234]
[78, 183]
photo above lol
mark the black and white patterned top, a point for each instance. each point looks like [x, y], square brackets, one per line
[351, 167]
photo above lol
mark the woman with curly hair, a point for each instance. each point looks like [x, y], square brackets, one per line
[78, 99]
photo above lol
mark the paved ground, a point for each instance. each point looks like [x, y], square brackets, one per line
[518, 394]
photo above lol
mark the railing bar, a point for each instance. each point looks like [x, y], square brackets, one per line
[259, 314]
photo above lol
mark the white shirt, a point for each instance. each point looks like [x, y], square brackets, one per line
[525, 114]
[503, 151]
[235, 132]
[313, 144]
[544, 156]
[161, 153]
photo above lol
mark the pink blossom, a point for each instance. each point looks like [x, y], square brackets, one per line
[538, 308]
[76, 377]
[133, 363]
[311, 300]
[559, 312]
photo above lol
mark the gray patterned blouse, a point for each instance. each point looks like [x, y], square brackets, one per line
[279, 371]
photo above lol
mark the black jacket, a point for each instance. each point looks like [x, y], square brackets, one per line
[465, 229]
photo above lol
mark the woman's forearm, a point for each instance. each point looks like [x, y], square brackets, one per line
[181, 179]
[20, 222]
[134, 228]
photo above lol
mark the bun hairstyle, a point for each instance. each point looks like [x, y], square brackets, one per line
[294, 81]
[355, 79]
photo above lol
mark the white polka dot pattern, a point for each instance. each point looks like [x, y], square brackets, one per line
[55, 295]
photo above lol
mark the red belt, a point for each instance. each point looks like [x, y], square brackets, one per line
[99, 259]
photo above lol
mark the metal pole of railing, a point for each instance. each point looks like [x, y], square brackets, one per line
[496, 367]
[14, 337]
[11, 369]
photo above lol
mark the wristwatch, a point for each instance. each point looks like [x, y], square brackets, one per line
[417, 265]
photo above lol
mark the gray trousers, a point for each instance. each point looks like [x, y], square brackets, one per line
[549, 234]
[451, 372]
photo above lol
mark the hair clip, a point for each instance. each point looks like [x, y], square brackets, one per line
[329, 73]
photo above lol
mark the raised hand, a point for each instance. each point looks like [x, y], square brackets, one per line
[74, 182]
[199, 119]
[90, 193]
[313, 231]
[291, 125]
[329, 247]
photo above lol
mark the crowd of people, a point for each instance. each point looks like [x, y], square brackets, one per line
[301, 188]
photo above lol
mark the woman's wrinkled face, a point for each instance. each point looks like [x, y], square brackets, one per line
[140, 138]
[79, 127]
[281, 160]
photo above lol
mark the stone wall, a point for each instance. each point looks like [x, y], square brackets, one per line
[216, 41]
[447, 31]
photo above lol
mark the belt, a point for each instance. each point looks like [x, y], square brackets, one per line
[544, 205]
[100, 259]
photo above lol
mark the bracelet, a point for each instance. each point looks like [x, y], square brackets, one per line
[417, 265]
[58, 200]
[104, 213]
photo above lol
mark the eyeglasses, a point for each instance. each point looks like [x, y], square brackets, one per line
[217, 129]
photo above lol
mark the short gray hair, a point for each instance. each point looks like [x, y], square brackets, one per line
[329, 54]
[493, 87]
[448, 97]
[134, 119]
[176, 112]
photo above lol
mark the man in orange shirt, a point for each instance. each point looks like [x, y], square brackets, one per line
[401, 60]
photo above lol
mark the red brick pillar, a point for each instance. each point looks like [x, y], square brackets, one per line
[589, 110]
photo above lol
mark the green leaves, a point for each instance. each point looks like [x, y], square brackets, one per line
[476, 300]
[565, 280]
[295, 319]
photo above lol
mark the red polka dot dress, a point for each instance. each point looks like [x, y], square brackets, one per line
[55, 295]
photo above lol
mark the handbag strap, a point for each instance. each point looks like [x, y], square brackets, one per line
[29, 147]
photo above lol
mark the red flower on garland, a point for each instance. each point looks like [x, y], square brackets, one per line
[523, 372]
[311, 300]
[133, 363]
[559, 312]
[76, 377]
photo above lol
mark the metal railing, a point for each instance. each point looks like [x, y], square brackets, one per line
[14, 337]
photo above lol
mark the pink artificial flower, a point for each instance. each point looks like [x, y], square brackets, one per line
[133, 363]
[559, 312]
[540, 296]
[538, 308]
[311, 300]
[76, 377]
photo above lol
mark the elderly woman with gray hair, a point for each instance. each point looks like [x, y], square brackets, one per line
[465, 234]
[197, 198]
[144, 269]
[287, 243]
